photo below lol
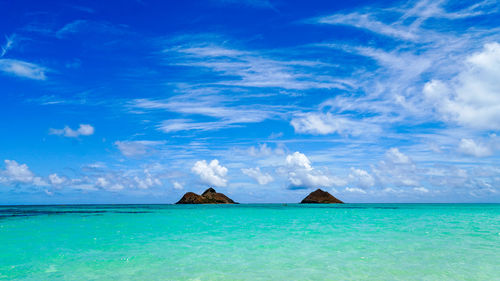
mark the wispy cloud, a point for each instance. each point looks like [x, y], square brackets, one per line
[89, 26]
[23, 69]
[254, 69]
[225, 112]
[423, 51]
[327, 123]
[367, 21]
[176, 125]
[137, 148]
[408, 18]
[9, 43]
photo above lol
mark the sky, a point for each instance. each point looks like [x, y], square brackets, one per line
[140, 101]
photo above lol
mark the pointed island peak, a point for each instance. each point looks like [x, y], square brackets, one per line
[210, 196]
[321, 197]
[209, 190]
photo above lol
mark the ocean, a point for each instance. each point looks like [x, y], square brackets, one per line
[251, 242]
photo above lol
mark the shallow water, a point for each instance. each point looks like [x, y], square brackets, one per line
[251, 242]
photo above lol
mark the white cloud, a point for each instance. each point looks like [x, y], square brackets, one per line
[392, 86]
[298, 160]
[301, 174]
[366, 21]
[177, 185]
[16, 173]
[391, 190]
[472, 98]
[264, 150]
[470, 147]
[397, 170]
[261, 177]
[226, 113]
[327, 123]
[137, 148]
[95, 27]
[396, 157]
[212, 173]
[361, 177]
[147, 181]
[145, 178]
[176, 125]
[117, 180]
[102, 182]
[56, 180]
[252, 69]
[411, 17]
[355, 190]
[209, 105]
[90, 179]
[23, 69]
[83, 130]
[9, 43]
[421, 189]
[18, 67]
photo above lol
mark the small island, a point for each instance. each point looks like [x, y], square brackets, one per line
[210, 196]
[320, 197]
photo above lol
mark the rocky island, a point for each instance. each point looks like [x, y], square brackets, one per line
[321, 197]
[210, 196]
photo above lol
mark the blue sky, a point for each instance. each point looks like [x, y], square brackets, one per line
[141, 101]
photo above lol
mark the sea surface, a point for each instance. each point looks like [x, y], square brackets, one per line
[251, 242]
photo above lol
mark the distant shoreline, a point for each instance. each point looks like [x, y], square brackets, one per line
[295, 203]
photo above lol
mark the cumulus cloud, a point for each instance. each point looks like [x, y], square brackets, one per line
[396, 157]
[147, 181]
[298, 160]
[137, 148]
[397, 169]
[301, 173]
[23, 69]
[93, 180]
[470, 147]
[361, 177]
[211, 173]
[107, 184]
[472, 98]
[56, 180]
[16, 173]
[118, 180]
[261, 177]
[83, 130]
[264, 150]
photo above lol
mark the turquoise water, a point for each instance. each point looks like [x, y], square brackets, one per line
[251, 242]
